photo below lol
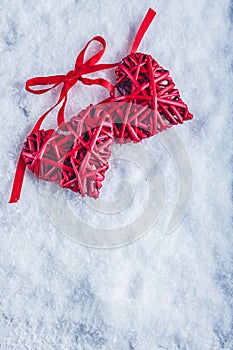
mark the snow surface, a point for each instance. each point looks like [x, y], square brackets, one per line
[163, 291]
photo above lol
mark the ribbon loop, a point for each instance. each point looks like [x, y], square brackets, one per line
[94, 59]
[70, 79]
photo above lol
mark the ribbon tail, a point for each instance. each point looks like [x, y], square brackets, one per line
[142, 30]
[18, 180]
[68, 80]
[61, 115]
[21, 166]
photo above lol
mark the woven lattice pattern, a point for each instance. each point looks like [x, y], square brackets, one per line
[148, 104]
[149, 101]
[77, 160]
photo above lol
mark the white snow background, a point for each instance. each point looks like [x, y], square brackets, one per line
[169, 293]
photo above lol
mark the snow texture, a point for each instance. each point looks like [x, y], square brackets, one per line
[163, 291]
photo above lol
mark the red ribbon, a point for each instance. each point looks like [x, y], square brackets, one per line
[69, 80]
[138, 38]
[142, 29]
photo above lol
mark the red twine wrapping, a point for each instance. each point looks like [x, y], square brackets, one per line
[148, 103]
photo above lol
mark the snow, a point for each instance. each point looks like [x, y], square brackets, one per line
[163, 291]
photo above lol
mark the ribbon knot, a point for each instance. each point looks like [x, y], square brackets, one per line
[73, 75]
[70, 79]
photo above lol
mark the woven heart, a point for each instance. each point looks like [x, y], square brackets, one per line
[77, 160]
[149, 101]
[148, 104]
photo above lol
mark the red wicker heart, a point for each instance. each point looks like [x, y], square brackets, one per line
[77, 160]
[148, 104]
[149, 101]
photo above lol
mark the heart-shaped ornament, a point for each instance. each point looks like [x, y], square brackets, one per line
[148, 103]
[77, 159]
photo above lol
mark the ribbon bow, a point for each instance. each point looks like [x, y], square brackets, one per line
[70, 79]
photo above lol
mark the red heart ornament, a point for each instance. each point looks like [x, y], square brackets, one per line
[149, 102]
[76, 160]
